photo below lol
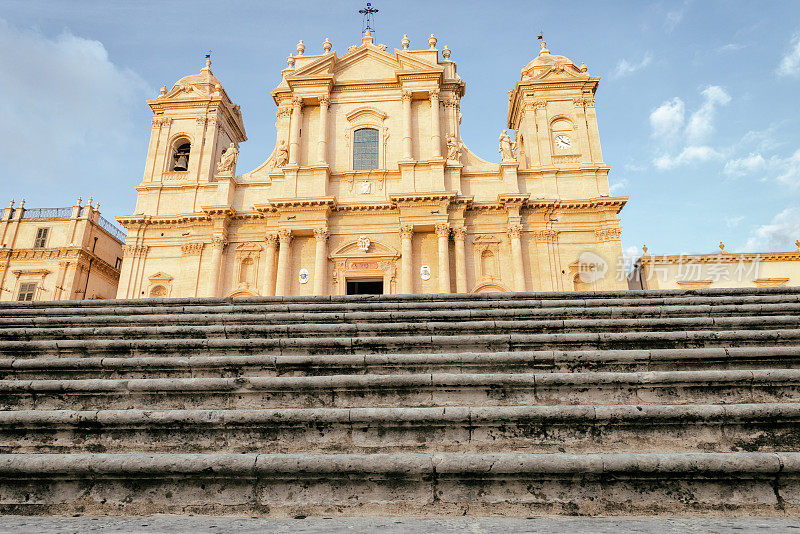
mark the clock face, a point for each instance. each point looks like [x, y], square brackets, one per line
[563, 142]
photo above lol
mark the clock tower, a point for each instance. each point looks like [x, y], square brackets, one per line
[552, 111]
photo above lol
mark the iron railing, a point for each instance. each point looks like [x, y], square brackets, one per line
[47, 213]
[109, 227]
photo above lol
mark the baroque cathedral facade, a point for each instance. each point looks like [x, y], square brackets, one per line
[369, 188]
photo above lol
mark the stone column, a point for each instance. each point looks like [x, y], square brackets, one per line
[322, 146]
[321, 260]
[460, 234]
[407, 267]
[285, 238]
[294, 130]
[436, 134]
[443, 233]
[268, 285]
[514, 231]
[218, 243]
[407, 149]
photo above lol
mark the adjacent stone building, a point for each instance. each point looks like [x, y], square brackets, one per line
[720, 270]
[70, 253]
[370, 189]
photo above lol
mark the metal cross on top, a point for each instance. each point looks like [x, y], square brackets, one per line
[368, 20]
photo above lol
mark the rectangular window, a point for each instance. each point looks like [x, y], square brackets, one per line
[118, 264]
[41, 237]
[26, 291]
[365, 149]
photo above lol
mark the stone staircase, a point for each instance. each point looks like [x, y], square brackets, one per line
[674, 402]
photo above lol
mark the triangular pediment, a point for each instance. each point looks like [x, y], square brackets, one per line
[408, 62]
[160, 276]
[322, 66]
[366, 62]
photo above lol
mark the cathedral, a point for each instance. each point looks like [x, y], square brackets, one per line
[370, 189]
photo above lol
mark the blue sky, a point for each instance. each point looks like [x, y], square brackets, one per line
[698, 110]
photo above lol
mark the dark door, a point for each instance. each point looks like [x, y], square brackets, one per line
[365, 287]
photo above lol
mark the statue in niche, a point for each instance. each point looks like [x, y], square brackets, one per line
[453, 149]
[282, 155]
[508, 148]
[227, 162]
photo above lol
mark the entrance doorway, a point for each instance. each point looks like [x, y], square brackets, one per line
[365, 287]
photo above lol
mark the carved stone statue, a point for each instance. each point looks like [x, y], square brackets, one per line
[453, 148]
[282, 155]
[508, 148]
[227, 163]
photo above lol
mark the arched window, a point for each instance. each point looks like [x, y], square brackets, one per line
[180, 155]
[365, 149]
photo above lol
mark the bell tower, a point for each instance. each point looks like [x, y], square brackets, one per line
[193, 124]
[552, 111]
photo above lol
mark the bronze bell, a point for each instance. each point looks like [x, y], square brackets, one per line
[180, 165]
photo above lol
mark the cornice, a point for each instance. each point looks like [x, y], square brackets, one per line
[731, 257]
[305, 204]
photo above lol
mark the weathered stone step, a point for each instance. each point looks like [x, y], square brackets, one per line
[747, 358]
[575, 428]
[399, 344]
[369, 303]
[224, 317]
[399, 484]
[295, 331]
[438, 389]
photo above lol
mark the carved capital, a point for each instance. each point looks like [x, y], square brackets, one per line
[271, 240]
[284, 111]
[285, 236]
[406, 95]
[546, 236]
[434, 95]
[219, 241]
[161, 121]
[514, 231]
[321, 234]
[297, 102]
[406, 231]
[324, 101]
[539, 104]
[608, 234]
[201, 120]
[460, 232]
[443, 230]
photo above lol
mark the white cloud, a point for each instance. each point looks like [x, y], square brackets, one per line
[733, 222]
[730, 47]
[632, 167]
[674, 17]
[625, 67]
[666, 120]
[619, 185]
[789, 169]
[790, 63]
[779, 234]
[746, 165]
[701, 123]
[630, 255]
[689, 155]
[66, 117]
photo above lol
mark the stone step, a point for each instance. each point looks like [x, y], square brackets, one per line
[368, 303]
[401, 484]
[224, 366]
[438, 389]
[576, 429]
[398, 344]
[224, 316]
[361, 330]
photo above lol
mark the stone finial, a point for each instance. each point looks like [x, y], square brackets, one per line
[90, 202]
[446, 52]
[797, 243]
[164, 90]
[78, 202]
[208, 63]
[544, 49]
[722, 248]
[432, 42]
[22, 203]
[327, 46]
[584, 68]
[290, 61]
[300, 48]
[97, 207]
[11, 205]
[644, 248]
[367, 37]
[405, 42]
